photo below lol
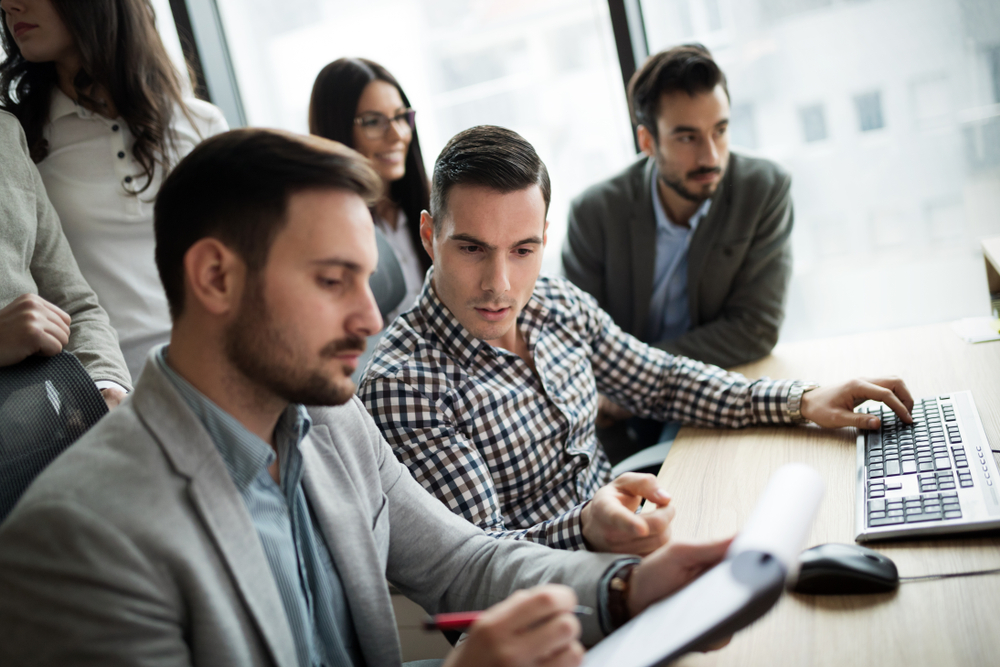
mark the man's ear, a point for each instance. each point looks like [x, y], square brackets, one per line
[647, 142]
[545, 233]
[214, 276]
[427, 233]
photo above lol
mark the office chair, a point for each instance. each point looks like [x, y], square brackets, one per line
[46, 403]
[389, 289]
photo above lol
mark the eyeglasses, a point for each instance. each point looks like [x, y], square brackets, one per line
[375, 125]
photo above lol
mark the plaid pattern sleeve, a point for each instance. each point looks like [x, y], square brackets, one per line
[653, 383]
[450, 466]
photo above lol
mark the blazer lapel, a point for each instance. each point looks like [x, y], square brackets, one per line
[705, 237]
[217, 501]
[642, 229]
[347, 529]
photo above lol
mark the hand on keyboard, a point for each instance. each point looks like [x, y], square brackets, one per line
[833, 407]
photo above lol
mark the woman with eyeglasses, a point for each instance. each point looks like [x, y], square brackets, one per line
[360, 104]
[105, 117]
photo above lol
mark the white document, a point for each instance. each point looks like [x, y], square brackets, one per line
[777, 529]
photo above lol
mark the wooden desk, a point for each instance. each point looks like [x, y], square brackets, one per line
[716, 476]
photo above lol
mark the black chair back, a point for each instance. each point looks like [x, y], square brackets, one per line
[389, 289]
[46, 403]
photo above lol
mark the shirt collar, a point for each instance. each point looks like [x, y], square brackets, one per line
[244, 454]
[663, 221]
[456, 341]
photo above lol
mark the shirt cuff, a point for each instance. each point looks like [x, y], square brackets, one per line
[770, 401]
[566, 530]
[603, 591]
[107, 384]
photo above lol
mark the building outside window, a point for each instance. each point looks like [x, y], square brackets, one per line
[547, 69]
[896, 174]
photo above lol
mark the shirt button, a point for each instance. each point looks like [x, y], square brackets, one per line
[121, 155]
[114, 128]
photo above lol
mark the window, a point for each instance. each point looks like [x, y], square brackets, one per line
[869, 106]
[813, 123]
[546, 69]
[884, 113]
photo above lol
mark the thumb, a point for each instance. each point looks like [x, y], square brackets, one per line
[863, 421]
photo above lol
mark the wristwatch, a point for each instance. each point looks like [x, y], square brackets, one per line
[795, 400]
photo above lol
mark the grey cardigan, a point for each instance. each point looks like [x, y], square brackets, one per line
[739, 259]
[35, 258]
[135, 548]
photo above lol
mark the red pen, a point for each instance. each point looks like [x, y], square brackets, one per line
[461, 620]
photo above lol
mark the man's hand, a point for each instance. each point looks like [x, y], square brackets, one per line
[532, 627]
[833, 407]
[669, 569]
[113, 396]
[611, 524]
[28, 325]
[609, 412]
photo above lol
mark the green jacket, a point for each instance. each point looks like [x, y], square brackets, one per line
[739, 259]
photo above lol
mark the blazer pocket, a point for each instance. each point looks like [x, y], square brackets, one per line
[732, 247]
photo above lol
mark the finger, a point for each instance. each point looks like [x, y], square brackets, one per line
[535, 605]
[615, 516]
[703, 554]
[642, 485]
[553, 635]
[881, 393]
[60, 314]
[659, 520]
[571, 656]
[899, 389]
[47, 344]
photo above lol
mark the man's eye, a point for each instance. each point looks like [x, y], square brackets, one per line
[330, 282]
[469, 248]
[524, 252]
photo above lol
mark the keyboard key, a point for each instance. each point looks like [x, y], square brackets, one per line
[892, 468]
[916, 518]
[893, 485]
[955, 514]
[888, 521]
[876, 505]
[909, 467]
[942, 464]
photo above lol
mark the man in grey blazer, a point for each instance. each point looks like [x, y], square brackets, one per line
[700, 267]
[213, 520]
[46, 304]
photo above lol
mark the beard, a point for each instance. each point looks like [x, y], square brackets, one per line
[261, 350]
[677, 185]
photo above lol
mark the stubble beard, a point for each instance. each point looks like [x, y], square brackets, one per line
[259, 349]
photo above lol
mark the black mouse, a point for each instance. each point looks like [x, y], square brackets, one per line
[845, 569]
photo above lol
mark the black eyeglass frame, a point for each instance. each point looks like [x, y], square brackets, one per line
[382, 122]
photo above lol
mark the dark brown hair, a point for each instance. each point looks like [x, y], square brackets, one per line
[491, 156]
[122, 53]
[235, 187]
[332, 108]
[688, 67]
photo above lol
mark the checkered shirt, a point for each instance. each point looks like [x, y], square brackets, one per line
[515, 452]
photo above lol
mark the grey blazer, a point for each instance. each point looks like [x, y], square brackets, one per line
[134, 547]
[739, 260]
[35, 258]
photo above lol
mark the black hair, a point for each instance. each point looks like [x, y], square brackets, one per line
[332, 108]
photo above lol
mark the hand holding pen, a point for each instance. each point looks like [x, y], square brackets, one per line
[536, 626]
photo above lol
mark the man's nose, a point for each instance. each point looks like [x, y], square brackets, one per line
[496, 279]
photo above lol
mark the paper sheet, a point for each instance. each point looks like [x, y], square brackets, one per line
[779, 526]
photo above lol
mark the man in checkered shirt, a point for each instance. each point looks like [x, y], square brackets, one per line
[487, 389]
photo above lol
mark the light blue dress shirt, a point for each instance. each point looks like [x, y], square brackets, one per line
[669, 317]
[306, 576]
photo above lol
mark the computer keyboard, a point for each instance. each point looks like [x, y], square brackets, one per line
[934, 476]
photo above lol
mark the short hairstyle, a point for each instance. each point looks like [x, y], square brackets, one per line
[235, 187]
[489, 156]
[687, 68]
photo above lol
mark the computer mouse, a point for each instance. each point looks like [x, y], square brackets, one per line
[845, 569]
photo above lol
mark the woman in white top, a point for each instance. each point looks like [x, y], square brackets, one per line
[102, 108]
[358, 103]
